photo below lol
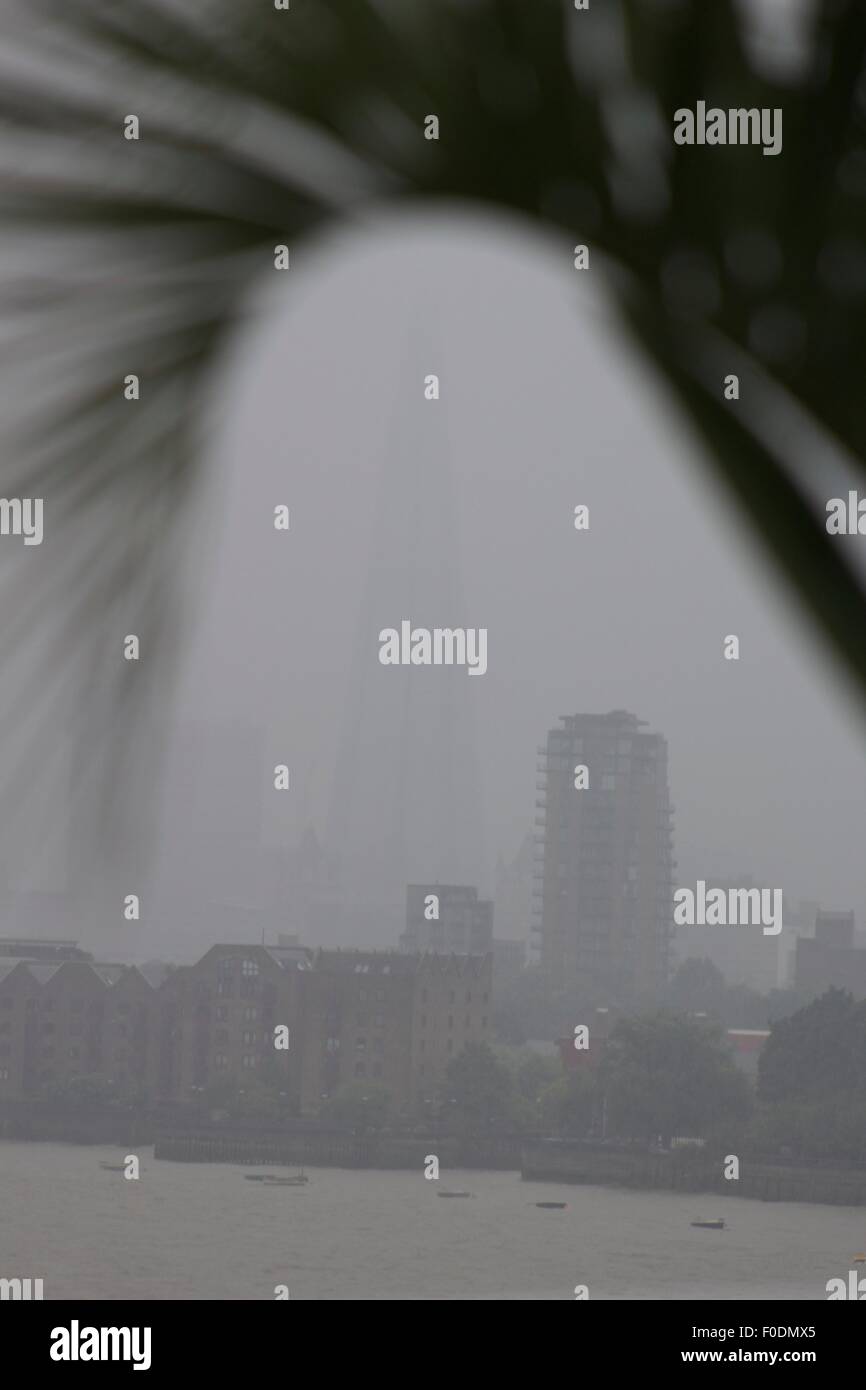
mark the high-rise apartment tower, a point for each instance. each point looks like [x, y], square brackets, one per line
[603, 913]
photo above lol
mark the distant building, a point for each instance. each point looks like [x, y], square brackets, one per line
[509, 958]
[831, 959]
[392, 1019]
[36, 948]
[746, 1045]
[744, 955]
[600, 1024]
[217, 1020]
[378, 1017]
[605, 865]
[446, 919]
[71, 1018]
[512, 892]
[800, 916]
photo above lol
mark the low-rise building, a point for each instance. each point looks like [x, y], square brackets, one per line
[831, 959]
[304, 1021]
[219, 1018]
[447, 918]
[746, 1045]
[61, 1021]
[391, 1019]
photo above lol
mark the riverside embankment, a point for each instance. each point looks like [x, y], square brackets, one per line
[689, 1170]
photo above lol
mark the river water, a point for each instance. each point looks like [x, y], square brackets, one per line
[199, 1231]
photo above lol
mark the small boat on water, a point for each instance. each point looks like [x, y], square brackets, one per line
[552, 1206]
[274, 1180]
[717, 1224]
[455, 1194]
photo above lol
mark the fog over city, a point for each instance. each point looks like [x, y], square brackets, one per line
[433, 698]
[464, 508]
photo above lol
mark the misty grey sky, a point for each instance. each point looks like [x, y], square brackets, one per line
[544, 406]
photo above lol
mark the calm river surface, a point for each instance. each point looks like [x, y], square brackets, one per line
[199, 1231]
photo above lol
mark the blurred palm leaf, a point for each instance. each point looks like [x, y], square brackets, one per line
[260, 126]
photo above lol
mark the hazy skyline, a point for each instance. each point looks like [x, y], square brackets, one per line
[543, 406]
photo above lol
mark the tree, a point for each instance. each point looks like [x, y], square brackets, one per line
[817, 1052]
[532, 1074]
[698, 985]
[258, 1101]
[535, 1072]
[666, 1075]
[357, 1105]
[479, 1089]
[569, 1106]
[86, 1092]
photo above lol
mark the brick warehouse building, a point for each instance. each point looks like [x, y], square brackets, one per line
[391, 1018]
[380, 1016]
[75, 1018]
